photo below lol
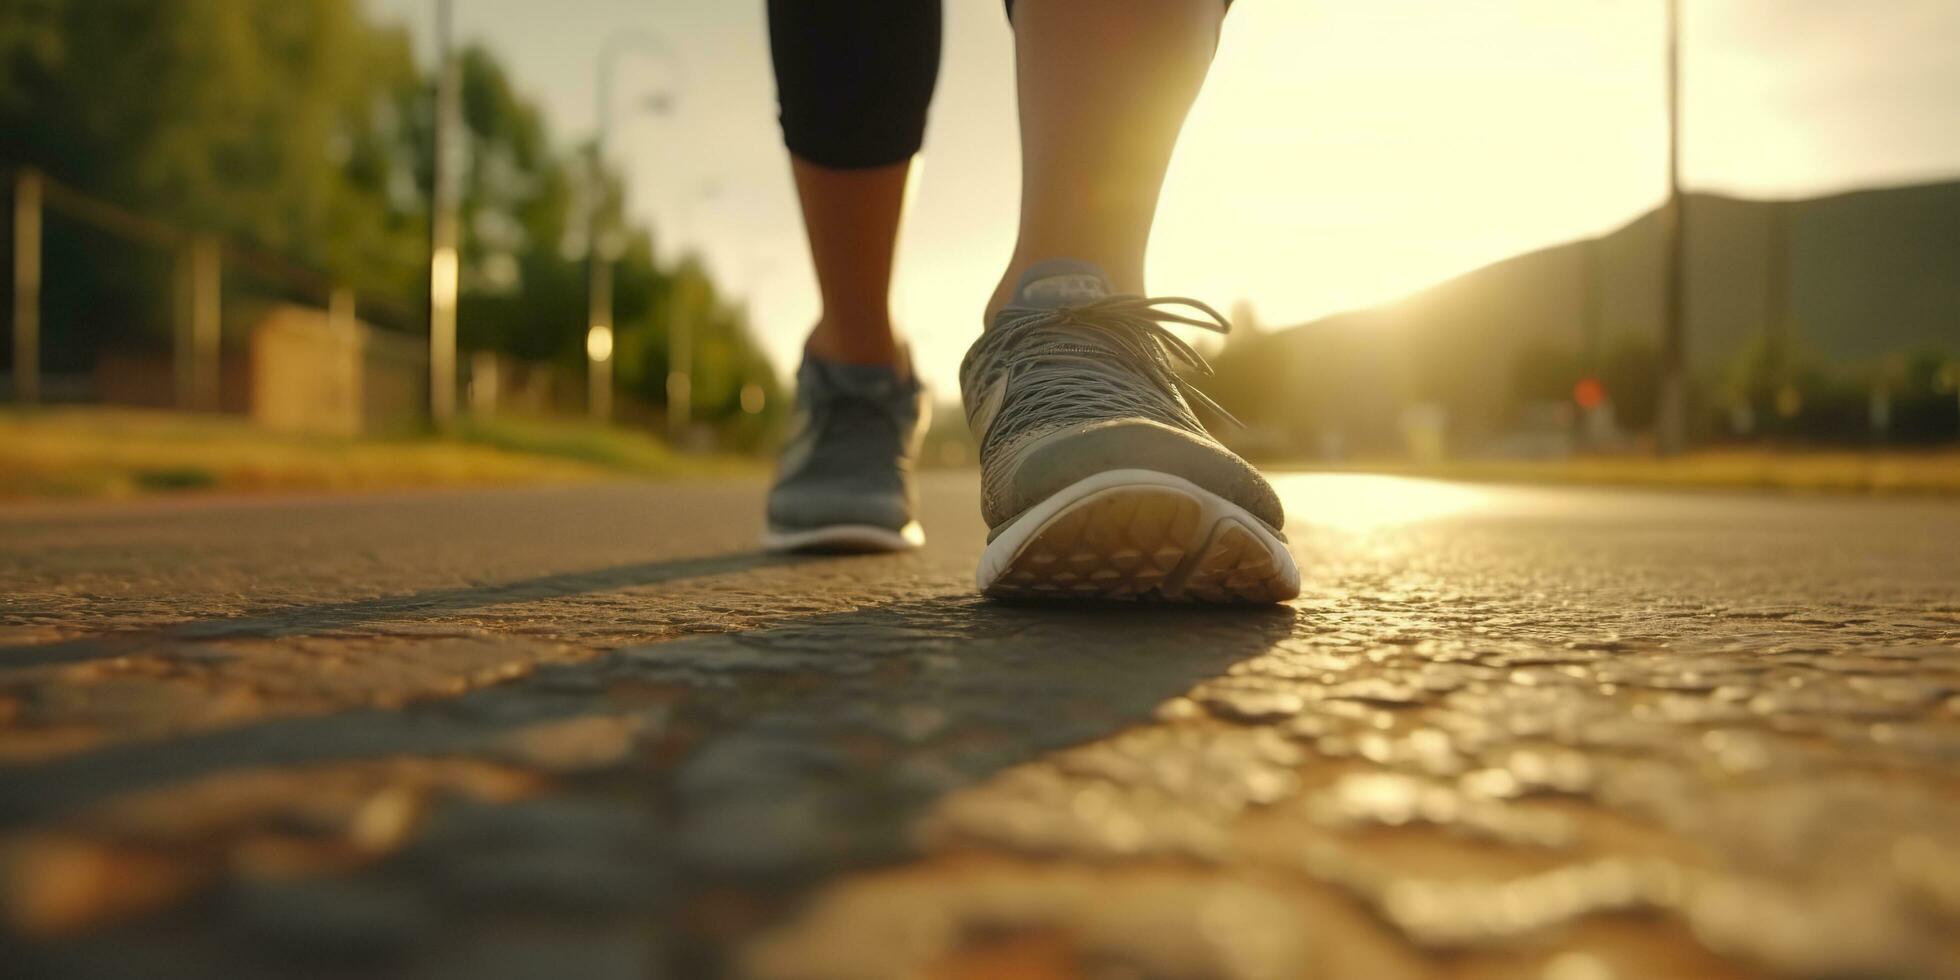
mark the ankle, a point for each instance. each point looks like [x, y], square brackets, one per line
[1003, 294]
[1125, 276]
[872, 342]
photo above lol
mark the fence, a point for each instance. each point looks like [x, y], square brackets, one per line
[116, 361]
[222, 327]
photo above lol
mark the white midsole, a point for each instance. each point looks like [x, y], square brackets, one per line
[1005, 547]
[860, 537]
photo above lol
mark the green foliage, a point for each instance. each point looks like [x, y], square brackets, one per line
[273, 124]
[1631, 373]
[304, 131]
[1786, 391]
[1544, 372]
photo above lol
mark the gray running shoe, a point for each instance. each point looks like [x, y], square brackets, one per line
[844, 482]
[1098, 480]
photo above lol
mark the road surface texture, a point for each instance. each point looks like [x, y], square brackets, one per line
[1569, 734]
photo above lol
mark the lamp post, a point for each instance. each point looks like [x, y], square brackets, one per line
[444, 263]
[599, 332]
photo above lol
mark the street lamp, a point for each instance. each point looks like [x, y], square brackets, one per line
[599, 319]
[443, 259]
[598, 358]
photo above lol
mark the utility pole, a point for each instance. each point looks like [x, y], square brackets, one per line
[1672, 418]
[27, 287]
[444, 262]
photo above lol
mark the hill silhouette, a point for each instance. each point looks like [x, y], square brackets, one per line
[1846, 279]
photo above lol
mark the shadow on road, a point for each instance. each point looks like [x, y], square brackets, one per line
[927, 694]
[433, 602]
[761, 761]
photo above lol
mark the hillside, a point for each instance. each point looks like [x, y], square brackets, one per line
[1862, 275]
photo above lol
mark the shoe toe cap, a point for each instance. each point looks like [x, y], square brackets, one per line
[1053, 461]
[810, 506]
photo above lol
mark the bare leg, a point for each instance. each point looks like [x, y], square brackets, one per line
[851, 220]
[1104, 88]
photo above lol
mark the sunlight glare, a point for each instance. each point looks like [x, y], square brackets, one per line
[1359, 502]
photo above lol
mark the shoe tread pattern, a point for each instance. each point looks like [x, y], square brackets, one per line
[1146, 543]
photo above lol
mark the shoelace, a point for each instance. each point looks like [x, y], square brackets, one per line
[839, 393]
[1135, 328]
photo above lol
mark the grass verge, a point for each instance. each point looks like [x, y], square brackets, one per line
[1897, 472]
[104, 452]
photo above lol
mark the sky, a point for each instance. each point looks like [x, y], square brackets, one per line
[1342, 154]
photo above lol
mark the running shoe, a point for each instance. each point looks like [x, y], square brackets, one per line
[1097, 478]
[844, 480]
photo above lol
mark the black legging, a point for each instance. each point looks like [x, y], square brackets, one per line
[854, 77]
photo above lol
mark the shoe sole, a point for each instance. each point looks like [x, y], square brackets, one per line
[1139, 534]
[844, 539]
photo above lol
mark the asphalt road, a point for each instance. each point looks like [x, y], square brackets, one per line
[1570, 734]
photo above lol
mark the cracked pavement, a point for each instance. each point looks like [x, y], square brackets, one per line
[1562, 733]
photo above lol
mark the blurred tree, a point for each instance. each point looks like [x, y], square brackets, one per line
[1543, 371]
[274, 124]
[30, 43]
[1927, 403]
[303, 129]
[1795, 395]
[1631, 374]
[521, 292]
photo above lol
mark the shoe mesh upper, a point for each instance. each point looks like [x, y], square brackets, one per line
[849, 459]
[1036, 371]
